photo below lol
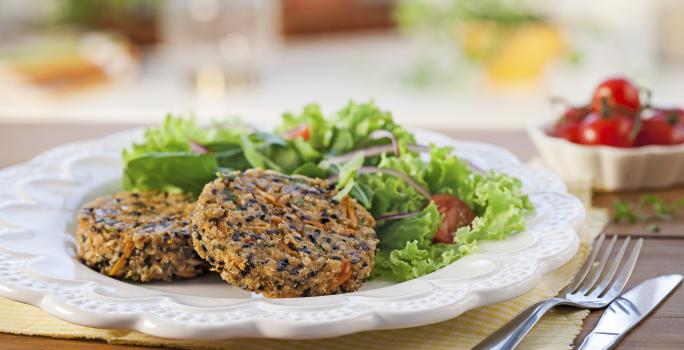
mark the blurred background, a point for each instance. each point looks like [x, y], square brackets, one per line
[450, 64]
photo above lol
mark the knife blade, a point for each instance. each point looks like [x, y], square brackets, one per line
[628, 310]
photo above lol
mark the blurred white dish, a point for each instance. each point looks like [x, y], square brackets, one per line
[611, 168]
[38, 204]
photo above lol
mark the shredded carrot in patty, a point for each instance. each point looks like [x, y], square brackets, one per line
[127, 251]
[349, 211]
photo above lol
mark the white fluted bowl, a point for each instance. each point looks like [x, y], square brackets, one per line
[611, 168]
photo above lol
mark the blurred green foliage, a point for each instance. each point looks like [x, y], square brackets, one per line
[447, 14]
[94, 12]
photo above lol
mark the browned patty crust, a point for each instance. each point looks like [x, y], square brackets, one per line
[139, 236]
[283, 236]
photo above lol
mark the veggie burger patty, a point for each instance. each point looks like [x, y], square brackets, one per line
[140, 236]
[283, 236]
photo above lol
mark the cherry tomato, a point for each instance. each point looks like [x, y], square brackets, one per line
[455, 213]
[300, 131]
[566, 126]
[665, 127]
[616, 94]
[615, 130]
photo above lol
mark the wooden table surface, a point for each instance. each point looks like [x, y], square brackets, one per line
[661, 254]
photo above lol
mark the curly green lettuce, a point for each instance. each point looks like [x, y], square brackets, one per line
[348, 129]
[406, 247]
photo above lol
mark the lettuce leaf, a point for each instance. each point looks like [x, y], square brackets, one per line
[420, 228]
[500, 205]
[447, 173]
[165, 160]
[347, 130]
[160, 171]
[346, 176]
[406, 248]
[388, 195]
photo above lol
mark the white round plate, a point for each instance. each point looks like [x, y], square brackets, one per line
[38, 205]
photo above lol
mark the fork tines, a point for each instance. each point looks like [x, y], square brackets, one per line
[599, 276]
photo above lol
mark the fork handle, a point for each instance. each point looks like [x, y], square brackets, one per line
[510, 335]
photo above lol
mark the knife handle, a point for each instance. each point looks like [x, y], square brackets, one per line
[599, 341]
[510, 335]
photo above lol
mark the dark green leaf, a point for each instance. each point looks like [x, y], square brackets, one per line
[256, 158]
[310, 170]
[172, 172]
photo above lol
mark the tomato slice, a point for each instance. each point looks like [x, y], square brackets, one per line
[300, 131]
[455, 213]
[616, 94]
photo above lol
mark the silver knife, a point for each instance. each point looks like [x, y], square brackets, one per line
[628, 310]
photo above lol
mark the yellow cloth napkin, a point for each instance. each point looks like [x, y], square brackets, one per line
[556, 331]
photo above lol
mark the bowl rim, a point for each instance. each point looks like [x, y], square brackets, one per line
[538, 131]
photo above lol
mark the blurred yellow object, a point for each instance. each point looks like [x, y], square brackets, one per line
[73, 70]
[210, 83]
[480, 40]
[63, 63]
[512, 53]
[529, 49]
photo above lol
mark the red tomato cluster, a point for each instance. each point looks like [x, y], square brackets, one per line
[617, 117]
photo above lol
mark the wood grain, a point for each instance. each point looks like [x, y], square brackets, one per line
[661, 254]
[662, 330]
[22, 342]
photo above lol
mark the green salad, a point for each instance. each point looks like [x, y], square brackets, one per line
[420, 202]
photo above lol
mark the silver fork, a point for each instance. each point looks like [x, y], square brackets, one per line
[594, 287]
